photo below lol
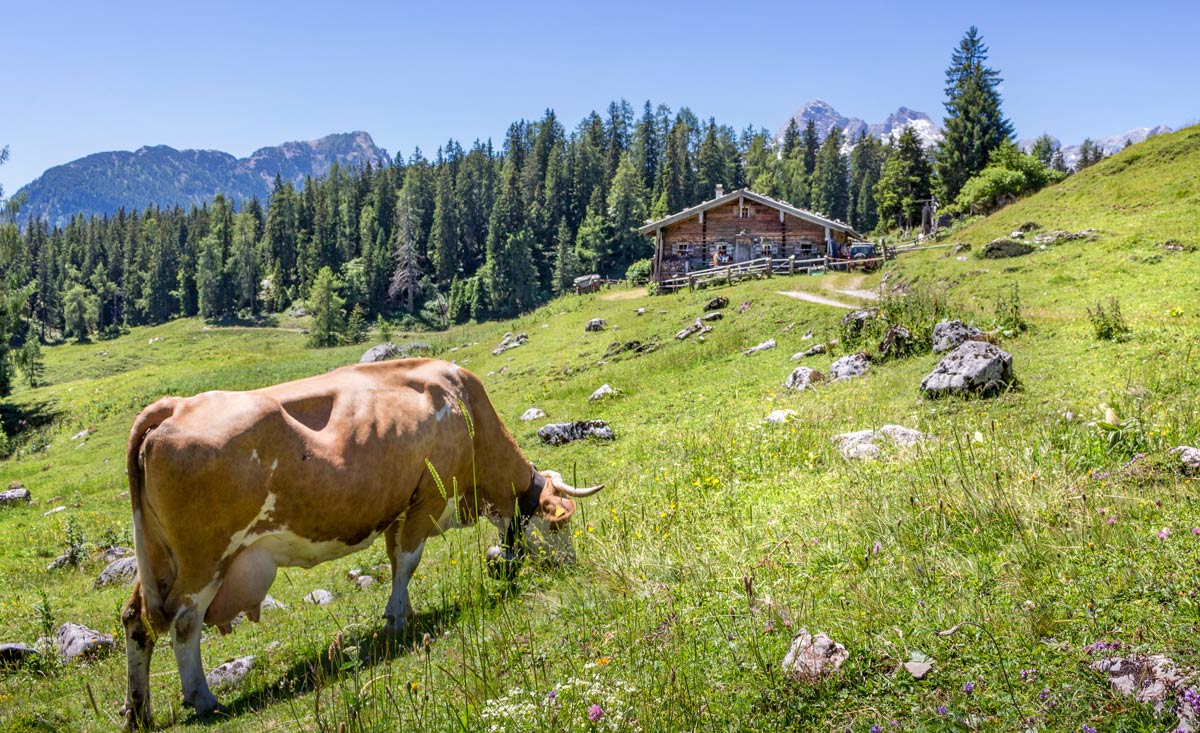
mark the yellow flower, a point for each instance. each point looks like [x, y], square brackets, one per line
[602, 661]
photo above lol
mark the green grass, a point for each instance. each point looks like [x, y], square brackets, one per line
[717, 536]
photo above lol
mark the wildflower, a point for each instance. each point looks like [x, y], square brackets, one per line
[1029, 675]
[602, 661]
[1112, 519]
[553, 694]
[877, 548]
[969, 688]
[942, 710]
[1164, 533]
[1088, 729]
[1045, 693]
[595, 712]
[1195, 530]
[876, 728]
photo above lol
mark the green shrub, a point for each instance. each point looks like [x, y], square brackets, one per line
[1008, 310]
[638, 272]
[1107, 322]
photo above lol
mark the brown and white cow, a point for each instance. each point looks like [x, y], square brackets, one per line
[227, 487]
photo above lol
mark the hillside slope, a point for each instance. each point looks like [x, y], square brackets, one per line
[1055, 540]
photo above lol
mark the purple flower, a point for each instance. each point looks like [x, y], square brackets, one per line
[1164, 533]
[553, 694]
[1045, 693]
[969, 688]
[1195, 530]
[942, 710]
[1191, 698]
[595, 712]
[1087, 728]
[1112, 519]
[876, 729]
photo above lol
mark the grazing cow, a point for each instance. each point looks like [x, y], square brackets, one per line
[227, 487]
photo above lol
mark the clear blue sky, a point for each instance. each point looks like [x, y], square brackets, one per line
[84, 77]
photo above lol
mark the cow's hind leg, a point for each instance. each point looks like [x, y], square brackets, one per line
[186, 641]
[404, 552]
[139, 647]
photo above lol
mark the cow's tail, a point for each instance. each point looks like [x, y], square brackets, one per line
[146, 542]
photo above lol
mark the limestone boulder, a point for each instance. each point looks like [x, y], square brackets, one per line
[949, 334]
[562, 433]
[850, 366]
[813, 658]
[974, 367]
[803, 377]
[77, 643]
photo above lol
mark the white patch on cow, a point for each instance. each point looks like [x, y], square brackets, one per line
[398, 608]
[239, 539]
[450, 518]
[442, 412]
[274, 465]
[254, 455]
[288, 549]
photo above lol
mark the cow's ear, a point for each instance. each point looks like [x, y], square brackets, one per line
[556, 510]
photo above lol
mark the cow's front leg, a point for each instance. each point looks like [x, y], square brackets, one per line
[139, 646]
[404, 548]
[186, 640]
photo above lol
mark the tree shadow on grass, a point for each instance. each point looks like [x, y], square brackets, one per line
[23, 419]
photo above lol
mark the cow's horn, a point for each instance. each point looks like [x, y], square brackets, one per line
[563, 488]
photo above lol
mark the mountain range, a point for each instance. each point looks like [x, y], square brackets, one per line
[825, 118]
[160, 175]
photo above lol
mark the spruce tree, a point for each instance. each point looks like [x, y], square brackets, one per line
[811, 143]
[566, 261]
[866, 165]
[830, 184]
[791, 138]
[974, 125]
[329, 320]
[626, 213]
[906, 182]
[443, 237]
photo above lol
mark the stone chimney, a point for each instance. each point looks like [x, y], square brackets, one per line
[720, 191]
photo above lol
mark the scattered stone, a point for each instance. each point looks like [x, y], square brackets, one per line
[1054, 236]
[1018, 234]
[1174, 245]
[813, 351]
[897, 341]
[12, 655]
[55, 510]
[510, 342]
[807, 335]
[381, 352]
[114, 553]
[231, 672]
[864, 444]
[364, 581]
[640, 312]
[961, 258]
[154, 340]
[562, 433]
[961, 247]
[764, 346]
[1029, 226]
[1153, 679]
[918, 670]
[319, 597]
[779, 417]
[1000, 248]
[813, 658]
[80, 435]
[1189, 458]
[803, 377]
[697, 327]
[854, 321]
[59, 562]
[716, 303]
[268, 603]
[596, 324]
[949, 334]
[974, 366]
[849, 367]
[15, 494]
[533, 413]
[714, 316]
[77, 643]
[122, 571]
[603, 392]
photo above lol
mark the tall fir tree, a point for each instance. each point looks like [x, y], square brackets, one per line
[443, 237]
[974, 125]
[830, 179]
[866, 165]
[906, 182]
[626, 213]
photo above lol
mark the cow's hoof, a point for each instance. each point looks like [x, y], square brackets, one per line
[137, 717]
[204, 705]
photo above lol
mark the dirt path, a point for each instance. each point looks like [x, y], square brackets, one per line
[623, 294]
[818, 299]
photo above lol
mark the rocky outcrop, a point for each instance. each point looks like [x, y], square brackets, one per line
[15, 494]
[596, 324]
[973, 367]
[813, 658]
[230, 673]
[802, 378]
[123, 570]
[764, 346]
[849, 367]
[949, 334]
[717, 303]
[1189, 459]
[897, 342]
[533, 413]
[510, 341]
[77, 643]
[604, 392]
[866, 444]
[380, 352]
[561, 433]
[1002, 247]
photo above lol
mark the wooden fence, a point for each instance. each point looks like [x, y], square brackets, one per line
[762, 267]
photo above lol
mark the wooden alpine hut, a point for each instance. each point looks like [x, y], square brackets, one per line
[741, 226]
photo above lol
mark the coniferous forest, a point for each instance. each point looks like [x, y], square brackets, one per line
[484, 232]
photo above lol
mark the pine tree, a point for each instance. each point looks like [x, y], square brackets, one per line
[329, 320]
[80, 312]
[33, 366]
[974, 124]
[443, 237]
[1044, 148]
[626, 213]
[906, 182]
[830, 184]
[812, 143]
[209, 276]
[407, 272]
[356, 325]
[866, 165]
[566, 261]
[792, 140]
[510, 276]
[243, 268]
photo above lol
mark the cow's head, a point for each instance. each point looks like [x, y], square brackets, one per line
[545, 508]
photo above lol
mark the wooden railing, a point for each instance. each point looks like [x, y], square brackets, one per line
[762, 267]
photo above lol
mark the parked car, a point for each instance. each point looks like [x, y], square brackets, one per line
[858, 256]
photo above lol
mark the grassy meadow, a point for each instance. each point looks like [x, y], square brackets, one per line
[718, 536]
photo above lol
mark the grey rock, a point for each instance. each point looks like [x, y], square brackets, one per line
[17, 494]
[1152, 679]
[712, 316]
[949, 334]
[1018, 234]
[562, 433]
[596, 324]
[779, 417]
[813, 658]
[1054, 236]
[698, 327]
[381, 352]
[814, 350]
[59, 562]
[764, 346]
[604, 392]
[510, 341]
[122, 571]
[975, 366]
[16, 654]
[865, 444]
[803, 377]
[533, 413]
[717, 303]
[640, 312]
[897, 341]
[114, 553]
[854, 321]
[1189, 458]
[55, 510]
[231, 672]
[364, 581]
[77, 643]
[1001, 248]
[902, 436]
[849, 367]
[961, 247]
[268, 603]
[319, 597]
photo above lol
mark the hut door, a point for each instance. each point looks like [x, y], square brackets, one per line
[741, 249]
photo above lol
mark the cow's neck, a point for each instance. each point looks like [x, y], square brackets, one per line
[530, 500]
